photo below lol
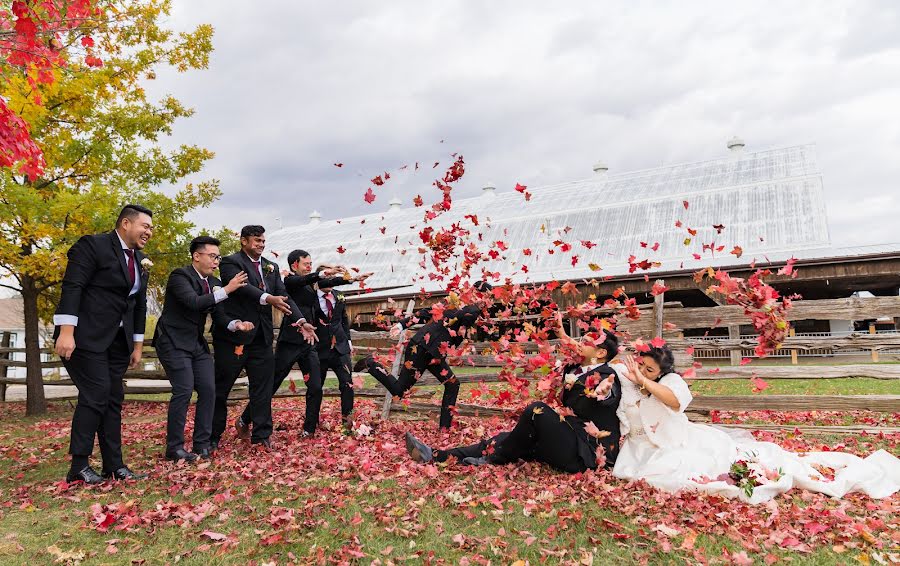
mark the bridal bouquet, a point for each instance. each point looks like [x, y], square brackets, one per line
[748, 473]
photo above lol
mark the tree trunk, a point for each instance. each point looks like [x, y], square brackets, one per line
[35, 403]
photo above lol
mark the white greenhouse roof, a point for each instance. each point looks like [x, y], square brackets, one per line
[771, 203]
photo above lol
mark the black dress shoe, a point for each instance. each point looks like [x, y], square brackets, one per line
[123, 473]
[213, 445]
[482, 461]
[418, 451]
[87, 475]
[203, 453]
[362, 364]
[180, 454]
[266, 443]
[242, 428]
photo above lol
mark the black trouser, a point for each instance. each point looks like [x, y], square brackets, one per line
[340, 365]
[541, 435]
[259, 361]
[476, 450]
[304, 355]
[98, 377]
[188, 370]
[421, 360]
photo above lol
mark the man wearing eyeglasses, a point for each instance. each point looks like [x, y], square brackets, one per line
[192, 292]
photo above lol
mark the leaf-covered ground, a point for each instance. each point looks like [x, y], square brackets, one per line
[335, 499]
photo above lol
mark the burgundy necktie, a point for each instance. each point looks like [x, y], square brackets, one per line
[130, 254]
[328, 304]
[205, 286]
[262, 280]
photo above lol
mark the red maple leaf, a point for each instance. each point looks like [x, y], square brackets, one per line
[417, 200]
[738, 251]
[657, 342]
[338, 164]
[520, 188]
[685, 203]
[369, 197]
[341, 249]
[377, 181]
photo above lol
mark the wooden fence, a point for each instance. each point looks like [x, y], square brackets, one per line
[661, 318]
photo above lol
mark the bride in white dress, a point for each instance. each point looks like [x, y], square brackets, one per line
[671, 453]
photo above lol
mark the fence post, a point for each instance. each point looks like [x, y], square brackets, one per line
[793, 332]
[734, 333]
[658, 301]
[4, 343]
[398, 359]
[874, 351]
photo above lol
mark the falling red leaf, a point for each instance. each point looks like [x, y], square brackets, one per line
[369, 197]
[338, 164]
[685, 203]
[341, 249]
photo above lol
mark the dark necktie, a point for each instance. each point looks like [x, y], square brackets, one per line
[205, 286]
[130, 254]
[262, 280]
[328, 305]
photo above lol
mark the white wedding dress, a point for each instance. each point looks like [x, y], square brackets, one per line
[671, 453]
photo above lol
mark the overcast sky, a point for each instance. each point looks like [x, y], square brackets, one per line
[535, 92]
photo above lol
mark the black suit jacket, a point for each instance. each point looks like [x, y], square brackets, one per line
[183, 318]
[333, 332]
[96, 288]
[602, 412]
[300, 289]
[244, 305]
[436, 332]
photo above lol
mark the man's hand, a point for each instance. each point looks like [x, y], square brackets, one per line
[136, 355]
[309, 332]
[236, 282]
[329, 271]
[279, 303]
[602, 390]
[243, 326]
[65, 344]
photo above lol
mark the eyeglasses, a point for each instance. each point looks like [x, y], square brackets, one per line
[212, 256]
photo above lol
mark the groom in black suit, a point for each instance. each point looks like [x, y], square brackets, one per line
[234, 350]
[100, 333]
[192, 292]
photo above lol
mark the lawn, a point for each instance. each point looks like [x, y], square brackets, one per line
[337, 499]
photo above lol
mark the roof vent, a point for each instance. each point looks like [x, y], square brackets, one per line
[600, 169]
[315, 217]
[735, 145]
[489, 189]
[395, 204]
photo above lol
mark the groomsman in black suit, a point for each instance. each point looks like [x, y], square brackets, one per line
[252, 350]
[334, 348]
[100, 333]
[427, 350]
[294, 348]
[192, 292]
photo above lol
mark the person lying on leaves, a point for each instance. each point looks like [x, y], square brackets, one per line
[583, 435]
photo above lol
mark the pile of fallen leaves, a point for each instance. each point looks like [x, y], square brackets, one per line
[307, 485]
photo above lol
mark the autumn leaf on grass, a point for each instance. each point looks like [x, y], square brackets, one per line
[759, 384]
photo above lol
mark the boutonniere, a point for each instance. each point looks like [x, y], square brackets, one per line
[339, 297]
[269, 268]
[146, 264]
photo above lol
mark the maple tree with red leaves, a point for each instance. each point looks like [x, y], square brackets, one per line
[32, 36]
